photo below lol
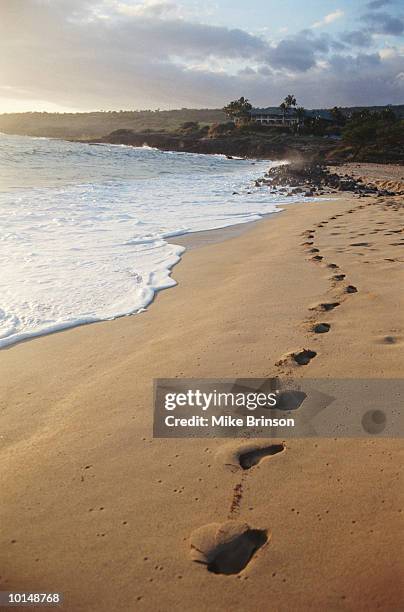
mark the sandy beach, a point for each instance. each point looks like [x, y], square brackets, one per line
[100, 511]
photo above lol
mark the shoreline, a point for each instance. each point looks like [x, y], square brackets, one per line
[123, 506]
[190, 241]
[128, 296]
[198, 238]
[201, 238]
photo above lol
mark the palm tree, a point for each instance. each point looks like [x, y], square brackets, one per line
[283, 108]
[300, 112]
[288, 102]
[238, 109]
[338, 115]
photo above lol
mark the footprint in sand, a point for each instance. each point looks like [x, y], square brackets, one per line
[252, 457]
[390, 340]
[314, 251]
[317, 258]
[321, 328]
[332, 265]
[351, 289]
[304, 356]
[338, 277]
[226, 548]
[247, 456]
[356, 244]
[326, 306]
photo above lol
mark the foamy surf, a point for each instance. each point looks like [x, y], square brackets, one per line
[83, 229]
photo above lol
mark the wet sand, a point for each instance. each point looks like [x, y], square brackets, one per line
[94, 507]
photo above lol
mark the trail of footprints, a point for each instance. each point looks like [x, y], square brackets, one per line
[338, 279]
[228, 547]
[340, 288]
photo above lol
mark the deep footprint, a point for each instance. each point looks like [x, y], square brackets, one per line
[304, 357]
[321, 328]
[290, 400]
[250, 458]
[226, 548]
[351, 289]
[326, 306]
[339, 277]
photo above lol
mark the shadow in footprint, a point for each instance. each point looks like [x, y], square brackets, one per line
[339, 277]
[304, 357]
[253, 457]
[226, 548]
[290, 400]
[321, 328]
[351, 289]
[326, 306]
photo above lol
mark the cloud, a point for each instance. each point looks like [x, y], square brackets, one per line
[337, 14]
[354, 63]
[357, 38]
[383, 23]
[89, 54]
[149, 8]
[247, 71]
[376, 4]
[298, 53]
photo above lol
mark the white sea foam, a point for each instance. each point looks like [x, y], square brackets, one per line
[83, 228]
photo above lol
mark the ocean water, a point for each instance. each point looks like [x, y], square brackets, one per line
[84, 228]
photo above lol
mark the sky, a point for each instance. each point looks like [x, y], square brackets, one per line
[82, 55]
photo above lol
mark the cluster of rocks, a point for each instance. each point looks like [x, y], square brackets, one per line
[315, 179]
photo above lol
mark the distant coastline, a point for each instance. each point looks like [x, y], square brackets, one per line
[209, 131]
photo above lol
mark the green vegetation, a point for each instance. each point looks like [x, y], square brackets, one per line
[95, 125]
[287, 104]
[221, 129]
[239, 110]
[372, 135]
[367, 127]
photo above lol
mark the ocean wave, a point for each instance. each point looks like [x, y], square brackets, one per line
[84, 237]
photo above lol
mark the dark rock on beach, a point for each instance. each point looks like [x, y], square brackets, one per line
[313, 179]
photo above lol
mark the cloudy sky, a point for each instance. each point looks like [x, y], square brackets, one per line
[136, 54]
